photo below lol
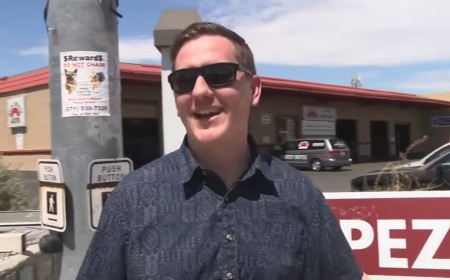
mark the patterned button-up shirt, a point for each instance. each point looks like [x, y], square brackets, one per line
[172, 220]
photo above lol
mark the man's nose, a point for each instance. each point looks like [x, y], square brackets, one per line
[201, 88]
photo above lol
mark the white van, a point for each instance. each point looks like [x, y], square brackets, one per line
[442, 150]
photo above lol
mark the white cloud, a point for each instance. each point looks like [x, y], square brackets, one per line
[426, 82]
[138, 49]
[330, 33]
[338, 32]
[131, 49]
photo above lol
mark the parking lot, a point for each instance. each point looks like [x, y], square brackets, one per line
[326, 181]
[339, 181]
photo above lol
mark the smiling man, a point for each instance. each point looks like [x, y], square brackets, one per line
[216, 208]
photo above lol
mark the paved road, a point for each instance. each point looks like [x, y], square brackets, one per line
[339, 181]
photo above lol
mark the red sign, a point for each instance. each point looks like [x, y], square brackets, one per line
[397, 233]
[15, 112]
[303, 145]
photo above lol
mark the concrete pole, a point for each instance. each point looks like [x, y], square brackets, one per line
[86, 121]
[169, 25]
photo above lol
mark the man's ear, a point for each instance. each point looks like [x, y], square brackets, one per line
[256, 90]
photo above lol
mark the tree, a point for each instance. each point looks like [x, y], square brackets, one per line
[12, 191]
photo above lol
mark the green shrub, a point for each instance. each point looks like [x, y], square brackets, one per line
[12, 191]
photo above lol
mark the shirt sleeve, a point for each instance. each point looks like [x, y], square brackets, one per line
[105, 257]
[330, 255]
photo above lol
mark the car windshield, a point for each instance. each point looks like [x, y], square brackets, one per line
[438, 153]
[338, 144]
[440, 160]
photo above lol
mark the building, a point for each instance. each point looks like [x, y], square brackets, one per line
[375, 124]
[444, 96]
[440, 119]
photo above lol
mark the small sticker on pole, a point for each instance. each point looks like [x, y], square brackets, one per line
[103, 177]
[84, 83]
[52, 195]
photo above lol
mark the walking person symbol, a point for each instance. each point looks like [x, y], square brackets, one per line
[52, 204]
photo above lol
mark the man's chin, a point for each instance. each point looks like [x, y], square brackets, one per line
[208, 136]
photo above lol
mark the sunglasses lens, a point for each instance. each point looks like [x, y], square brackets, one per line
[183, 80]
[217, 75]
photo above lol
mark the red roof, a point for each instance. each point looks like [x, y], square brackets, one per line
[23, 81]
[152, 73]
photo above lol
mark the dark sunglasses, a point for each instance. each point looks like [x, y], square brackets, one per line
[216, 75]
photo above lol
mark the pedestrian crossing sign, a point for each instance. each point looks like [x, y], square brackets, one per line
[52, 195]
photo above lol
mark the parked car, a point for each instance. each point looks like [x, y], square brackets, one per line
[442, 150]
[316, 153]
[434, 175]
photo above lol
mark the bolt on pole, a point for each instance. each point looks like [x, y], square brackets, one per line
[85, 103]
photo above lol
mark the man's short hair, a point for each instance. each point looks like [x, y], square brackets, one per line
[244, 55]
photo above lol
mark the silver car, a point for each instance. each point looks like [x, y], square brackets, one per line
[317, 153]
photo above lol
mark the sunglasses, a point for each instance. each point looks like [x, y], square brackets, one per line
[215, 75]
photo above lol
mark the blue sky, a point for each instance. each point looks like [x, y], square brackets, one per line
[397, 45]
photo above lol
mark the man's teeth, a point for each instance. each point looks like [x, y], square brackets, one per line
[206, 113]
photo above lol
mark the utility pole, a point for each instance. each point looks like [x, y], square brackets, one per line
[86, 121]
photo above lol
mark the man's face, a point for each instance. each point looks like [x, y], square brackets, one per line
[215, 113]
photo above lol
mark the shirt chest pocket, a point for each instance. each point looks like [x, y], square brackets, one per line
[277, 246]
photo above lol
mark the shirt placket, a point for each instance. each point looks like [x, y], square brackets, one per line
[228, 255]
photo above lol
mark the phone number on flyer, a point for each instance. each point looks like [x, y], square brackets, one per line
[85, 109]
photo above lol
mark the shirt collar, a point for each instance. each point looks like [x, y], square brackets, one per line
[258, 163]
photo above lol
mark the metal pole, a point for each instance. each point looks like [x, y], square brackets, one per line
[86, 120]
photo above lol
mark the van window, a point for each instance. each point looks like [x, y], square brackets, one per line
[305, 145]
[316, 144]
[338, 144]
[291, 145]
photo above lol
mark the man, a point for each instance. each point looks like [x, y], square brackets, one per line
[215, 208]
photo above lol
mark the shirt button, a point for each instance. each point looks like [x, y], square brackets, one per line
[229, 237]
[230, 275]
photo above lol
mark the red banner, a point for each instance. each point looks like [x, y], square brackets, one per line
[397, 233]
